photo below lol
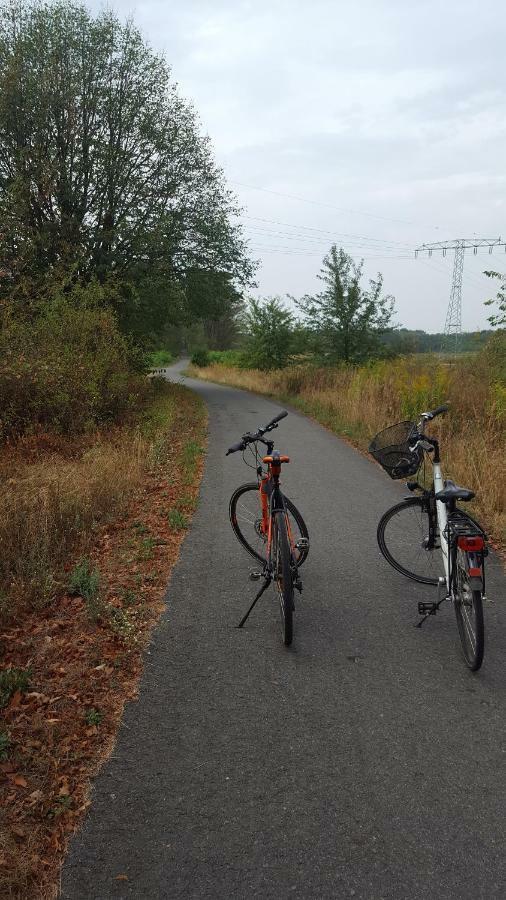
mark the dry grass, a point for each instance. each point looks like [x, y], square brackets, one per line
[357, 403]
[51, 508]
[70, 660]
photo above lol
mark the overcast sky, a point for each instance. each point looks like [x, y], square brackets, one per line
[378, 125]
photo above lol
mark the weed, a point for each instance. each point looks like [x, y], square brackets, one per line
[5, 744]
[140, 527]
[186, 502]
[128, 598]
[190, 453]
[177, 520]
[93, 716]
[146, 549]
[11, 681]
[85, 582]
[63, 804]
[121, 624]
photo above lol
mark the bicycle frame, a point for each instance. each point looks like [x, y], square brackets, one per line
[444, 520]
[272, 501]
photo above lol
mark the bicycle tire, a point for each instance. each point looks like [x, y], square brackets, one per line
[405, 538]
[281, 560]
[469, 602]
[243, 534]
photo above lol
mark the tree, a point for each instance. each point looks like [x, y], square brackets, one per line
[103, 169]
[498, 320]
[345, 320]
[269, 334]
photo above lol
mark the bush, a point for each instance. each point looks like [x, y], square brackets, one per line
[66, 366]
[233, 358]
[159, 358]
[200, 358]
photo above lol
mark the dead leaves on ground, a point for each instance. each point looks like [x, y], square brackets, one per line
[60, 730]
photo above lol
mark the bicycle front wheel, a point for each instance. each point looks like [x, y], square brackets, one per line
[405, 540]
[469, 613]
[246, 520]
[281, 561]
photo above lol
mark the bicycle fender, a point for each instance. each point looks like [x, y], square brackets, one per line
[476, 582]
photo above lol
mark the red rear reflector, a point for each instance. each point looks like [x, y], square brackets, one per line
[471, 544]
[475, 573]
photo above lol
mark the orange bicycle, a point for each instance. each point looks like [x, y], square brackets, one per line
[269, 526]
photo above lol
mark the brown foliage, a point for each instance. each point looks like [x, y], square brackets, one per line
[82, 668]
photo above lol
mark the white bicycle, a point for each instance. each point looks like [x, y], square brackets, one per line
[429, 538]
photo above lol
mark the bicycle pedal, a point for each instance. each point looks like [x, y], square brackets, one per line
[302, 544]
[255, 576]
[427, 609]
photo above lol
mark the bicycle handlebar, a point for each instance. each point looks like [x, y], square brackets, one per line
[436, 412]
[281, 415]
[258, 435]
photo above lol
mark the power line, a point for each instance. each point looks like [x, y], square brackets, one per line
[358, 212]
[331, 233]
[258, 231]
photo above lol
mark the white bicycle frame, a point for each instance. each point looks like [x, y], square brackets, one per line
[442, 519]
[441, 510]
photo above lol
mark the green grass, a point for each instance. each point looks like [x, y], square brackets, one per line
[11, 681]
[85, 582]
[93, 716]
[177, 519]
[189, 456]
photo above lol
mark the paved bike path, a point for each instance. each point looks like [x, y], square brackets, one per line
[365, 761]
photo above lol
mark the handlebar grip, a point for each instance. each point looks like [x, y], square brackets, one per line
[440, 409]
[277, 418]
[235, 447]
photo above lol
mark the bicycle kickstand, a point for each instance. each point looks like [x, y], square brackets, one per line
[267, 581]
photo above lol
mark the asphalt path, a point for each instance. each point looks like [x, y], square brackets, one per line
[365, 761]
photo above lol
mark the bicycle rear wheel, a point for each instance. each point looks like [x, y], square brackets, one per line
[469, 613]
[281, 561]
[246, 520]
[404, 538]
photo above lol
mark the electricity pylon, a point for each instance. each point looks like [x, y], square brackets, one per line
[453, 323]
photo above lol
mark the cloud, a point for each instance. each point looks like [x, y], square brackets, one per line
[392, 110]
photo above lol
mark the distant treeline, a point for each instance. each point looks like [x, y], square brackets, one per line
[404, 340]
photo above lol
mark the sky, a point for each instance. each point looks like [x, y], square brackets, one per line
[378, 125]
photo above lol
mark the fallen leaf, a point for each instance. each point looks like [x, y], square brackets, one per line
[19, 781]
[121, 877]
[15, 700]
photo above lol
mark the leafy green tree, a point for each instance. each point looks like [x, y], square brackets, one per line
[498, 319]
[103, 169]
[269, 327]
[345, 321]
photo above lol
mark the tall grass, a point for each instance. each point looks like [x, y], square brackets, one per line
[51, 507]
[358, 402]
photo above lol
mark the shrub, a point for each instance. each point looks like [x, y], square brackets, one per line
[66, 366]
[159, 358]
[200, 358]
[233, 358]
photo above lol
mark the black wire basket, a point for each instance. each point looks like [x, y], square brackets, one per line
[391, 449]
